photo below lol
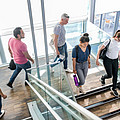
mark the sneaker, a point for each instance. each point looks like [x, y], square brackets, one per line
[2, 113]
[68, 70]
[77, 90]
[102, 81]
[26, 84]
[118, 85]
[115, 93]
[81, 90]
[9, 85]
[51, 70]
[62, 57]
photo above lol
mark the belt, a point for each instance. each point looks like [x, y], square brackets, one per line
[81, 62]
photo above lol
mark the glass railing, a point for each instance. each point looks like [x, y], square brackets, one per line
[55, 77]
[96, 35]
[52, 101]
[73, 32]
[39, 36]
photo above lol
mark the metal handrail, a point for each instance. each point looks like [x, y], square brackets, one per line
[67, 109]
[38, 26]
[65, 77]
[45, 103]
[76, 106]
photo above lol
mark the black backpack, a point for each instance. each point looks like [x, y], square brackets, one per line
[76, 47]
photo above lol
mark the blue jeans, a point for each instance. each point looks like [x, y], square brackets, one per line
[0, 104]
[63, 51]
[19, 67]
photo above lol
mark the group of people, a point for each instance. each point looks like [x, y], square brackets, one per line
[80, 56]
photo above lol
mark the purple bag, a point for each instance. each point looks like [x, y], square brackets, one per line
[75, 80]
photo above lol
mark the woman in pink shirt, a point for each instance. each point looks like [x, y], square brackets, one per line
[18, 51]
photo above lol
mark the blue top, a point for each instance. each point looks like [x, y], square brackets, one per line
[82, 56]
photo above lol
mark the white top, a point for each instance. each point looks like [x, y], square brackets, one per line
[113, 49]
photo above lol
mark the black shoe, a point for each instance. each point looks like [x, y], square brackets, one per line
[10, 85]
[26, 84]
[118, 86]
[115, 93]
[2, 113]
[102, 80]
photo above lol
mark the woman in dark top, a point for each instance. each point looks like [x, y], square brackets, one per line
[81, 60]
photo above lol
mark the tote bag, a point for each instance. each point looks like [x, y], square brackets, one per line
[12, 65]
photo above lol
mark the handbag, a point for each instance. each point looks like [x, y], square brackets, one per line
[52, 43]
[102, 54]
[12, 65]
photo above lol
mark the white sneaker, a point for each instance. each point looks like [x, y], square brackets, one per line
[68, 70]
[62, 57]
[51, 70]
[77, 90]
[2, 113]
[81, 90]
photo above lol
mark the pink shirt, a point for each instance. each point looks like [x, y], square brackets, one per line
[18, 47]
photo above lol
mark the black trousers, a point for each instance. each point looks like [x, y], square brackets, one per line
[111, 67]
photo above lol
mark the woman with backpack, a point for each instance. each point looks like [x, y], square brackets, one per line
[81, 61]
[110, 61]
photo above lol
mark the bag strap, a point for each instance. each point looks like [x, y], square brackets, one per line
[108, 43]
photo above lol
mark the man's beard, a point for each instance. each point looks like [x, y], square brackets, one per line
[22, 37]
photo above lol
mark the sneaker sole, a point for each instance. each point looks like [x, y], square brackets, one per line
[101, 82]
[113, 93]
[2, 115]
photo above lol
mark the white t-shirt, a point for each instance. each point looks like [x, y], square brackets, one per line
[113, 49]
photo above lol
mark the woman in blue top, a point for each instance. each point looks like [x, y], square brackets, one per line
[81, 60]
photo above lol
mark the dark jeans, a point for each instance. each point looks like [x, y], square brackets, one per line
[0, 103]
[111, 67]
[63, 51]
[19, 67]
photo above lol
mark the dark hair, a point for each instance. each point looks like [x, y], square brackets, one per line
[16, 31]
[116, 33]
[86, 34]
[84, 39]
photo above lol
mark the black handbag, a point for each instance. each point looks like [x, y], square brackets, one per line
[12, 65]
[103, 51]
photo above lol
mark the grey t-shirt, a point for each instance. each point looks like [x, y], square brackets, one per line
[60, 30]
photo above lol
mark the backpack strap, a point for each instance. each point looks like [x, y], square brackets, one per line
[89, 48]
[76, 47]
